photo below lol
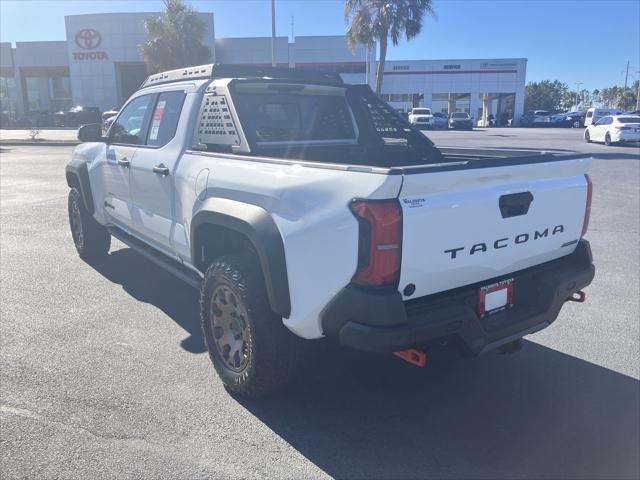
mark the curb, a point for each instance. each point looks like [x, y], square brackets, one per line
[22, 143]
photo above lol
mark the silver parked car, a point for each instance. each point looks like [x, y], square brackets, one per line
[440, 120]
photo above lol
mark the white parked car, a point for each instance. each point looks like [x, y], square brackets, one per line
[614, 129]
[421, 117]
[595, 114]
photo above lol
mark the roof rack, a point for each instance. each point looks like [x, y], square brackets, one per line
[218, 70]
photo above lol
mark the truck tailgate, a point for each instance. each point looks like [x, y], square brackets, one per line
[464, 226]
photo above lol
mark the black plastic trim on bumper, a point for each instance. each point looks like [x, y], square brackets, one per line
[379, 320]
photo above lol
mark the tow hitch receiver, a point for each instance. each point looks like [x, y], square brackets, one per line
[579, 297]
[413, 356]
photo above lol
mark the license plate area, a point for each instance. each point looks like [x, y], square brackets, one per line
[495, 298]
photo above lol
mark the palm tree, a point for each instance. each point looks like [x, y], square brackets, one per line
[174, 39]
[379, 20]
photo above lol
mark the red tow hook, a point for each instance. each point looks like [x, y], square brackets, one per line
[413, 356]
[580, 298]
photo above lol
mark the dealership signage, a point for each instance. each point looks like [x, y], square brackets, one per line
[497, 66]
[89, 39]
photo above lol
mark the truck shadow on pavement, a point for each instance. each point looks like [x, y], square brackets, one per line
[176, 299]
[615, 155]
[538, 413]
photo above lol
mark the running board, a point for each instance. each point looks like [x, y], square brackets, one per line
[160, 259]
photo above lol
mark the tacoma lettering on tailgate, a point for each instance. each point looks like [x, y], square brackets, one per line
[506, 241]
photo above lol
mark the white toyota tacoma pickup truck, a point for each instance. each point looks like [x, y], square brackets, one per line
[302, 208]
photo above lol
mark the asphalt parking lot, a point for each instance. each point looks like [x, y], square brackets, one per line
[103, 370]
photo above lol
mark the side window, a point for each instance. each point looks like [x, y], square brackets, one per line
[129, 126]
[164, 119]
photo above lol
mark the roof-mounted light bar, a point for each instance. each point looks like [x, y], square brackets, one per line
[191, 73]
[216, 70]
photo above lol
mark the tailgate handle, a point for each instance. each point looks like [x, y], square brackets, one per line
[515, 204]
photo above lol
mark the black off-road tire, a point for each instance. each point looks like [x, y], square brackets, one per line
[91, 239]
[273, 353]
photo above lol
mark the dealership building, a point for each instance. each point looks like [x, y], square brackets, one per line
[99, 65]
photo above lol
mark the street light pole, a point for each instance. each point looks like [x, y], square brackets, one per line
[638, 94]
[273, 33]
[578, 92]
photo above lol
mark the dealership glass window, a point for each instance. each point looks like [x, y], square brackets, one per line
[47, 92]
[32, 92]
[451, 102]
[8, 95]
[129, 126]
[164, 120]
[413, 98]
[60, 92]
[128, 78]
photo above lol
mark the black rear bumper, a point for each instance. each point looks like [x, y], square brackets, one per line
[379, 320]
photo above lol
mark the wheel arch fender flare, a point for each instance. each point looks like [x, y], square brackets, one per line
[77, 175]
[258, 226]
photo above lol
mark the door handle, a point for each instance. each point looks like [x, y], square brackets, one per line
[161, 169]
[124, 162]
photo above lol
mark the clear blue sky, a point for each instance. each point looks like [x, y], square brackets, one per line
[569, 40]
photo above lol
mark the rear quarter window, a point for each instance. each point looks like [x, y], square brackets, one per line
[629, 119]
[164, 119]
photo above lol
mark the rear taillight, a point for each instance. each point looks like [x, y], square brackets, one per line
[380, 241]
[587, 209]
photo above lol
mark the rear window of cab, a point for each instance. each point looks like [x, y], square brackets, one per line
[276, 113]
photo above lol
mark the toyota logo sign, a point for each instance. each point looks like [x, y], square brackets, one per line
[88, 39]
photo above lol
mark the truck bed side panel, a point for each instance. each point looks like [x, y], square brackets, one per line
[310, 206]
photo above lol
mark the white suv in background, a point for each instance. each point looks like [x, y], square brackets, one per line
[421, 117]
[595, 114]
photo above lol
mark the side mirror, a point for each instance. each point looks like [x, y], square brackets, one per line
[90, 133]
